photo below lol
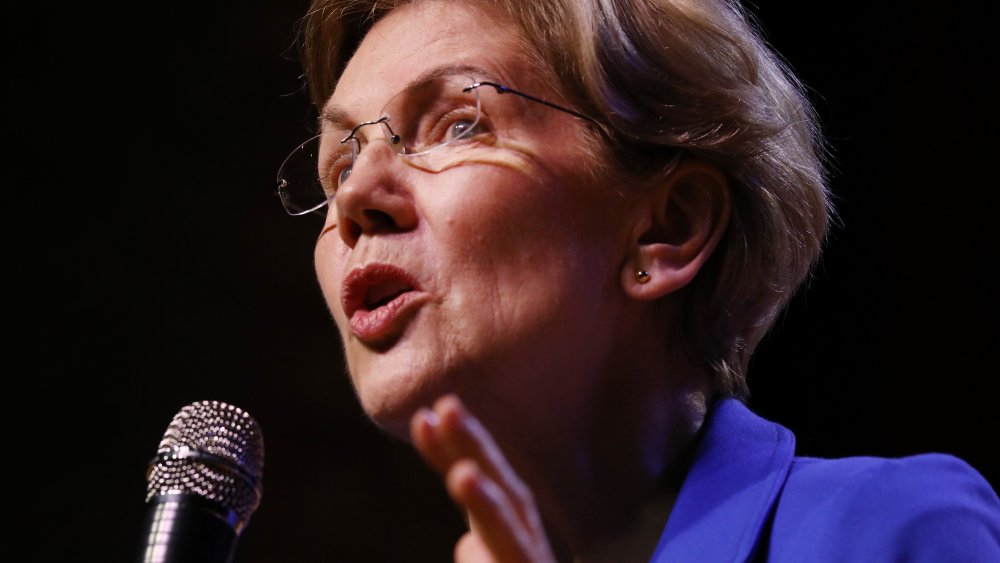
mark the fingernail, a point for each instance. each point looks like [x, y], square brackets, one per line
[452, 402]
[428, 416]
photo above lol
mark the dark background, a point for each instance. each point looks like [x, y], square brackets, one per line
[149, 265]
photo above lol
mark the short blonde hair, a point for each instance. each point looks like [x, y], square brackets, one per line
[663, 76]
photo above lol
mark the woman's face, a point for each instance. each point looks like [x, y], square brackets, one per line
[497, 277]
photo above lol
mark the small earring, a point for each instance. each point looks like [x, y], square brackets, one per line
[642, 276]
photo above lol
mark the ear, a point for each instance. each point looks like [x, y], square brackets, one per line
[678, 227]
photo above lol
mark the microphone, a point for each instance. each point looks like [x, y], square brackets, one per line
[203, 485]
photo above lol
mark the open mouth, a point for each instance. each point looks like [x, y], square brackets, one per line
[373, 287]
[382, 294]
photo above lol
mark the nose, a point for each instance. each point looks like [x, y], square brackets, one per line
[377, 198]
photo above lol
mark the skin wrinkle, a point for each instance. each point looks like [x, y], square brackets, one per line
[592, 383]
[522, 263]
[508, 131]
[340, 117]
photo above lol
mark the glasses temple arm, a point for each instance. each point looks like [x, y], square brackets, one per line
[501, 89]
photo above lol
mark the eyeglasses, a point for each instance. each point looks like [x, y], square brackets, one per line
[433, 125]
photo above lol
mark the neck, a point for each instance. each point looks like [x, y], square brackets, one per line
[605, 476]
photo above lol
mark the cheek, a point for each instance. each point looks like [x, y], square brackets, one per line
[524, 241]
[328, 257]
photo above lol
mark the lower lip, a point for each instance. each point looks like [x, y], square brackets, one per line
[385, 321]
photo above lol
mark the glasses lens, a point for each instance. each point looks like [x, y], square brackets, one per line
[299, 183]
[430, 123]
[431, 115]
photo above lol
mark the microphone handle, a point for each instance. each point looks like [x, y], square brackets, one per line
[186, 528]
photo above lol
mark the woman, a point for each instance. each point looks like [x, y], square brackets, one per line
[555, 233]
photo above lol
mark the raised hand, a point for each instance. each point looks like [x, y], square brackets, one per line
[504, 524]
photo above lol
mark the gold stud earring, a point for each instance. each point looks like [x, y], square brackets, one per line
[642, 276]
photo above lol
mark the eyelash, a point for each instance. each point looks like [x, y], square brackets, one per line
[449, 119]
[440, 130]
[331, 177]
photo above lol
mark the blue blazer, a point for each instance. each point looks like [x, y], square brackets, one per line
[748, 498]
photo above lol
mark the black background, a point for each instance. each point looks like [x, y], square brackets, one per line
[149, 265]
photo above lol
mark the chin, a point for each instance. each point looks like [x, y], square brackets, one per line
[393, 418]
[390, 402]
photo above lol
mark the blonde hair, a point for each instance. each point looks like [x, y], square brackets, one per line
[663, 76]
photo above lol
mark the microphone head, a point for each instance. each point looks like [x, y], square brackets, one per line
[213, 451]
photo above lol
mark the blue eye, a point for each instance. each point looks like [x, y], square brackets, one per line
[345, 173]
[338, 169]
[459, 128]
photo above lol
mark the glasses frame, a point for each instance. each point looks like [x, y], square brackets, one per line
[394, 139]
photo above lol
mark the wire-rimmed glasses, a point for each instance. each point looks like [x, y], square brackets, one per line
[433, 125]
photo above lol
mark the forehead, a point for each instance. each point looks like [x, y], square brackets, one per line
[421, 37]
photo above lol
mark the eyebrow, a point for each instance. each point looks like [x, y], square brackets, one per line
[334, 116]
[339, 118]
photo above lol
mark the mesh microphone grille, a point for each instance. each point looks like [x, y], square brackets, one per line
[213, 450]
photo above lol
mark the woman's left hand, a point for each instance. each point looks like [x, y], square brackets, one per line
[504, 522]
